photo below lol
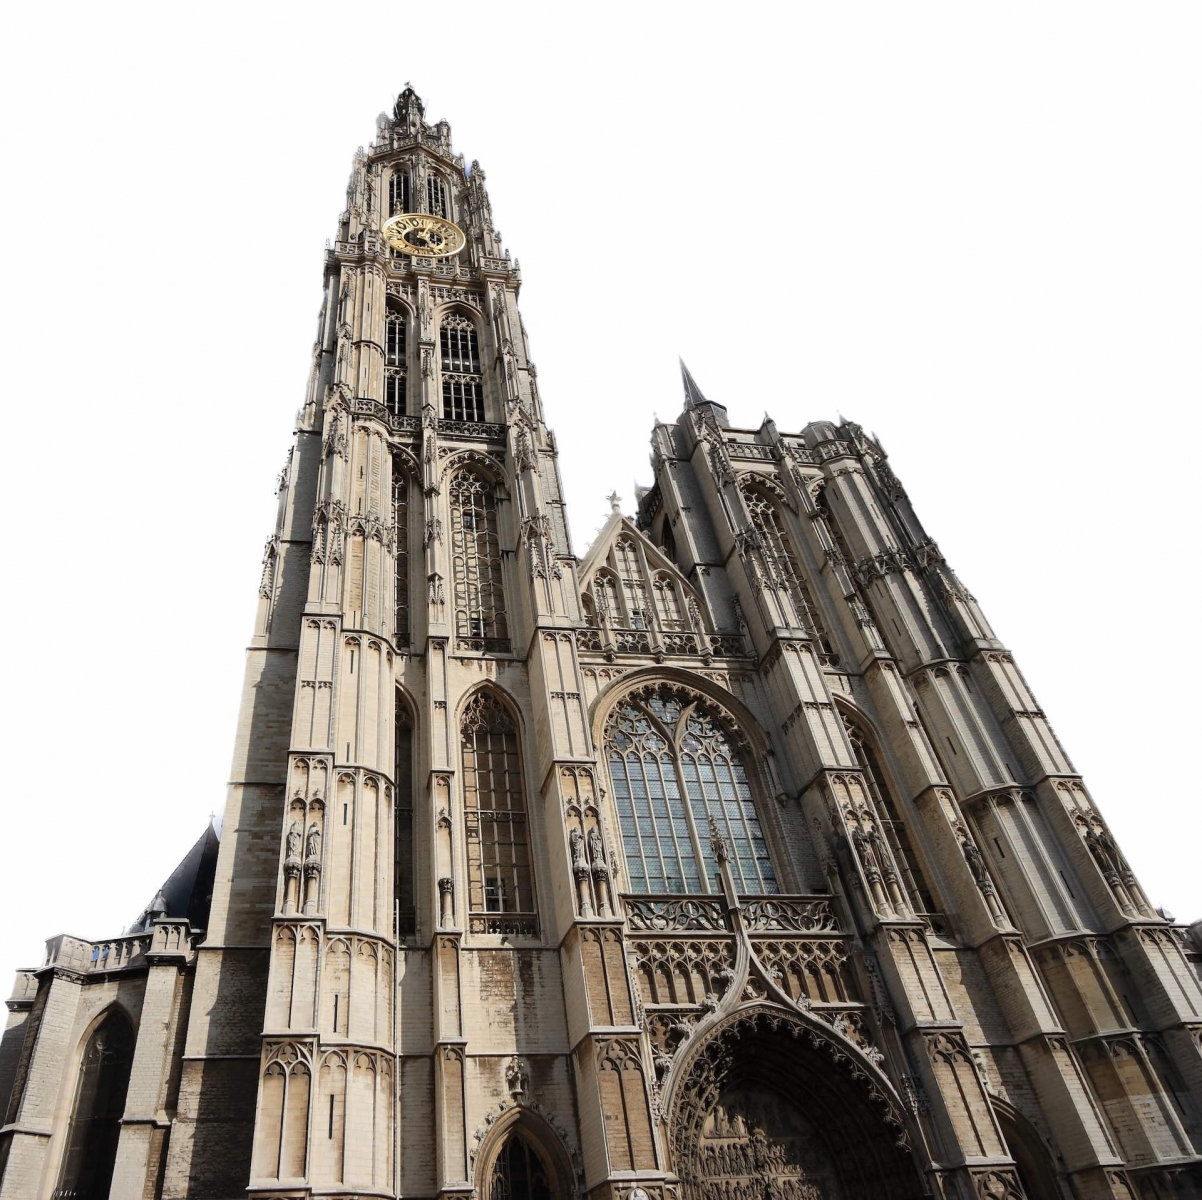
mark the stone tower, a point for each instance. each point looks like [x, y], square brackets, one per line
[734, 860]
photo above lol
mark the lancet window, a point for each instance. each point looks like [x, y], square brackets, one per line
[917, 891]
[394, 362]
[400, 533]
[781, 562]
[404, 910]
[679, 779]
[494, 801]
[95, 1126]
[634, 589]
[462, 385]
[436, 196]
[398, 192]
[667, 603]
[479, 593]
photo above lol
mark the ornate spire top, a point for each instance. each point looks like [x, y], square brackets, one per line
[409, 108]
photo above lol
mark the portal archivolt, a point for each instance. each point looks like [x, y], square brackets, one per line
[761, 1113]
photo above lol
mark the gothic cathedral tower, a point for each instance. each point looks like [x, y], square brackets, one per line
[732, 861]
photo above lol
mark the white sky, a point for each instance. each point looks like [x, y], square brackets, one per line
[973, 228]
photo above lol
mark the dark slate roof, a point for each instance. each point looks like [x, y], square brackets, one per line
[188, 890]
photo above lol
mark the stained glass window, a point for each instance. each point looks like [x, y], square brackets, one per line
[677, 779]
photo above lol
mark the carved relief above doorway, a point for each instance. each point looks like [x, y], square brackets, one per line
[756, 1145]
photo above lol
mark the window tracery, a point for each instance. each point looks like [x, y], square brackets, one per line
[499, 875]
[519, 1173]
[781, 563]
[394, 361]
[462, 383]
[678, 775]
[479, 595]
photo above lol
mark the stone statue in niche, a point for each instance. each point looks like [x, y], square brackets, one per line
[576, 840]
[596, 848]
[294, 840]
[313, 842]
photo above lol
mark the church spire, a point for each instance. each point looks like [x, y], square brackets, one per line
[693, 395]
[694, 399]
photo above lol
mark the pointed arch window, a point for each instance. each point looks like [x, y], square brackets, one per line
[91, 1152]
[400, 534]
[479, 593]
[782, 564]
[394, 362]
[462, 385]
[917, 890]
[678, 776]
[500, 885]
[398, 192]
[436, 196]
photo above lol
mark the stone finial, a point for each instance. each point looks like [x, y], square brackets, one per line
[615, 502]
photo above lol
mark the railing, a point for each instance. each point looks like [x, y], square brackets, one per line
[648, 641]
[472, 429]
[507, 924]
[167, 937]
[749, 450]
[707, 914]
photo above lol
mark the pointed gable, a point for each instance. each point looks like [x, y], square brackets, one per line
[634, 583]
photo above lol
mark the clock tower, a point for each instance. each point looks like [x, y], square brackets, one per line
[732, 859]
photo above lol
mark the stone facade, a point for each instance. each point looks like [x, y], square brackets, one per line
[734, 859]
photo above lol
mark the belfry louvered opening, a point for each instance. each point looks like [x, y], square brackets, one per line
[395, 362]
[462, 385]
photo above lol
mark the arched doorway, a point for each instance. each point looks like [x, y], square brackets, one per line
[762, 1112]
[91, 1151]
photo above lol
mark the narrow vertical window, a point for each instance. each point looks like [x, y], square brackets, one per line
[677, 778]
[400, 534]
[500, 887]
[479, 594]
[436, 196]
[402, 879]
[398, 192]
[782, 566]
[394, 362]
[917, 891]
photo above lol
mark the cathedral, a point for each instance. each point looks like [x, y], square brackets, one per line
[733, 859]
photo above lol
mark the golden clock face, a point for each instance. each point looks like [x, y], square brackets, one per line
[420, 233]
